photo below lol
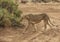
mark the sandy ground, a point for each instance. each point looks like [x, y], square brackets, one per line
[50, 35]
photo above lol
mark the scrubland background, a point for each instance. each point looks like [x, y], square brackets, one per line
[15, 35]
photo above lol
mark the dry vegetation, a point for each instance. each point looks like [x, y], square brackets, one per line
[51, 35]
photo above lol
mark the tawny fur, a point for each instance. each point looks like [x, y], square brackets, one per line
[34, 19]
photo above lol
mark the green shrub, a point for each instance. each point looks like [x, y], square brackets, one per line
[3, 16]
[9, 13]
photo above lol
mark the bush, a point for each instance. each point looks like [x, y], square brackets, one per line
[9, 13]
[3, 16]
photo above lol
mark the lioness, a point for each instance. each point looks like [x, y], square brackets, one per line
[34, 19]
